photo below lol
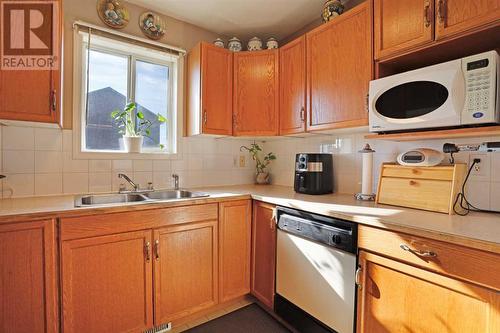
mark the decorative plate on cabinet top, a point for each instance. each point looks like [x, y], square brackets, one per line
[332, 9]
[113, 13]
[152, 25]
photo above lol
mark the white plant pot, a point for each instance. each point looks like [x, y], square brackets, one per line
[133, 144]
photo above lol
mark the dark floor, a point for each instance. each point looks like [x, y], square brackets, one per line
[250, 319]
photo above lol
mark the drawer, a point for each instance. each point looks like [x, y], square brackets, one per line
[427, 194]
[437, 173]
[106, 224]
[476, 266]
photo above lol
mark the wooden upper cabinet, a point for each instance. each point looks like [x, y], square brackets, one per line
[234, 246]
[32, 95]
[263, 252]
[28, 279]
[210, 90]
[293, 87]
[256, 93]
[185, 270]
[339, 68]
[457, 16]
[395, 295]
[401, 25]
[107, 283]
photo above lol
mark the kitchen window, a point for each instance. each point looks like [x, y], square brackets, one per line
[110, 73]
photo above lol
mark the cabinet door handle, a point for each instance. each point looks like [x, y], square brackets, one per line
[157, 249]
[425, 254]
[147, 251]
[427, 14]
[303, 114]
[53, 100]
[358, 278]
[205, 117]
[441, 11]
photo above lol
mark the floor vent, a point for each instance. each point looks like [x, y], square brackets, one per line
[160, 329]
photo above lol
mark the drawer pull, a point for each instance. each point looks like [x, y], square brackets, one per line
[426, 254]
[357, 278]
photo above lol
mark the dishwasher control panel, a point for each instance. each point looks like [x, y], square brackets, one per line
[326, 230]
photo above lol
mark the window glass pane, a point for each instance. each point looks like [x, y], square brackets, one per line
[107, 92]
[151, 96]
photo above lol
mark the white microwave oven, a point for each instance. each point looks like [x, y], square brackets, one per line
[451, 94]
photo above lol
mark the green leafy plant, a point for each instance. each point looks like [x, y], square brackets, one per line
[260, 165]
[141, 127]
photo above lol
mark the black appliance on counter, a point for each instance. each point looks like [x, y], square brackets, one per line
[314, 173]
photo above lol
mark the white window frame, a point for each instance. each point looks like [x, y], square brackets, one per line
[140, 53]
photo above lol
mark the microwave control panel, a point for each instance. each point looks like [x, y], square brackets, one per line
[481, 73]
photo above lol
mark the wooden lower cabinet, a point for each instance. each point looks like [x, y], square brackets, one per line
[28, 279]
[185, 270]
[263, 252]
[234, 249]
[396, 297]
[107, 283]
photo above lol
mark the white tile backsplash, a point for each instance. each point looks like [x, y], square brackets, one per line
[17, 161]
[48, 183]
[18, 138]
[347, 162]
[39, 161]
[48, 161]
[48, 139]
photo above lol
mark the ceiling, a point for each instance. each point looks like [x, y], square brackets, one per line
[241, 18]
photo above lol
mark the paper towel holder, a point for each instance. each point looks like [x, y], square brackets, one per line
[367, 152]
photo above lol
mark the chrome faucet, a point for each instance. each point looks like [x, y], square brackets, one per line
[134, 185]
[176, 181]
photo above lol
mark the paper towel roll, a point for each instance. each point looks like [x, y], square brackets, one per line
[367, 177]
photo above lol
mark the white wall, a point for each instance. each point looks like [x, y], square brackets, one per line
[38, 161]
[484, 191]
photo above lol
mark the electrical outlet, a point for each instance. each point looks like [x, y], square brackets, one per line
[481, 170]
[242, 161]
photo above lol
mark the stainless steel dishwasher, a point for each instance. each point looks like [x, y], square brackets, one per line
[315, 272]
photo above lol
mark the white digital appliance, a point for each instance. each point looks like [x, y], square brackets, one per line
[451, 94]
[424, 157]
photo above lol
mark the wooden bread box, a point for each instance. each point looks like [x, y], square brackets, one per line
[428, 188]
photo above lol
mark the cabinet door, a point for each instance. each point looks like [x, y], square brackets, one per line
[263, 252]
[256, 93]
[293, 87]
[31, 95]
[396, 296]
[339, 68]
[234, 246]
[107, 283]
[28, 292]
[456, 16]
[402, 24]
[185, 270]
[217, 90]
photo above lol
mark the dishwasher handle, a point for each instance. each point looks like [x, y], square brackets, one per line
[357, 278]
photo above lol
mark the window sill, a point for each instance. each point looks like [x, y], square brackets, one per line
[122, 155]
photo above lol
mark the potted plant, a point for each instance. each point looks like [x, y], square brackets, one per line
[261, 175]
[134, 132]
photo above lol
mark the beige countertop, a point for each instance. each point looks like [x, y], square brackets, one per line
[477, 230]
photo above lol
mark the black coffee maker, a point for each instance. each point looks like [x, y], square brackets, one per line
[314, 173]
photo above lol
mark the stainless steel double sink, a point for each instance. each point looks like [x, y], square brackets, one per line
[153, 196]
